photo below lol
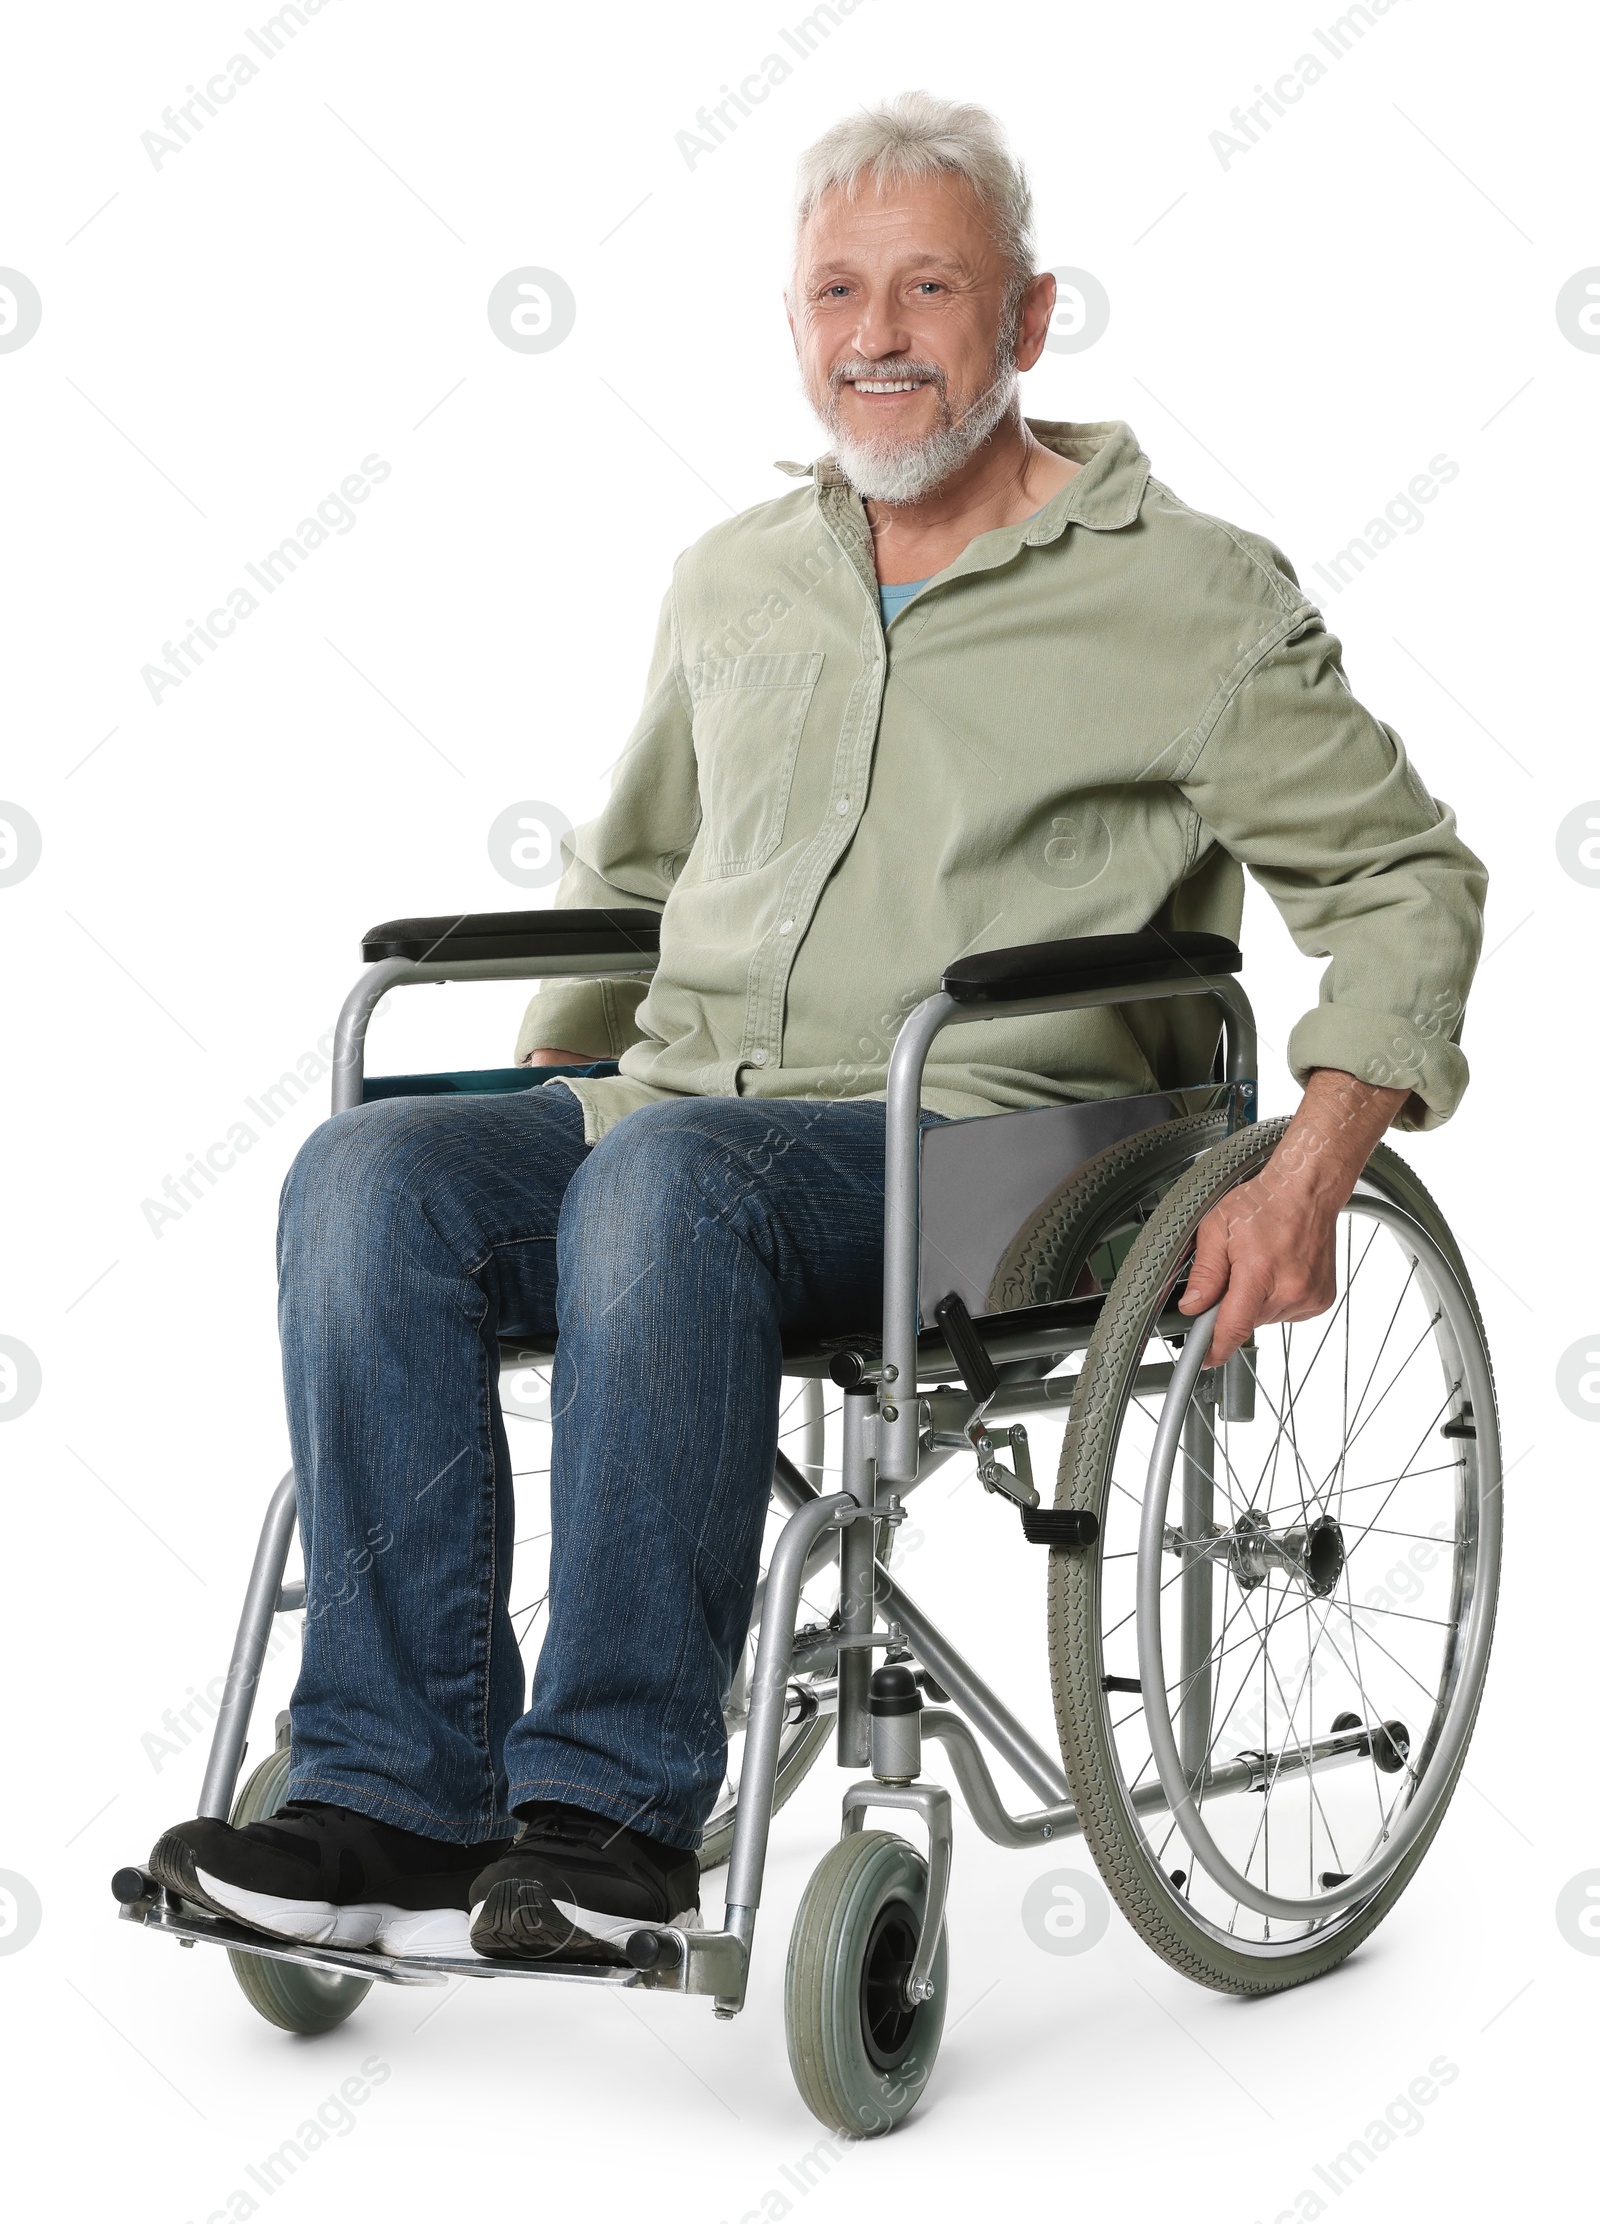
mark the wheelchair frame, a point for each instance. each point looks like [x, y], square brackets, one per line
[894, 1434]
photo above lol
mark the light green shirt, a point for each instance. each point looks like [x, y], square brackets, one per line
[1086, 724]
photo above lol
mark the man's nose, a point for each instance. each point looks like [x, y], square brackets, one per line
[881, 330]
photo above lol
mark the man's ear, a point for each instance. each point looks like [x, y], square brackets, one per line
[1033, 325]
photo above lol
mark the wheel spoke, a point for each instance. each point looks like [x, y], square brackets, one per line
[1367, 1420]
[1383, 1346]
[1342, 1308]
[1398, 1613]
[1431, 1695]
[1404, 1473]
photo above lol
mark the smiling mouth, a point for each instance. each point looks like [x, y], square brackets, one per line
[887, 385]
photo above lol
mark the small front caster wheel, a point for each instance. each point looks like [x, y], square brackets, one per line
[290, 1994]
[860, 2052]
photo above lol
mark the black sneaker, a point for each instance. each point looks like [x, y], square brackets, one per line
[575, 1885]
[328, 1877]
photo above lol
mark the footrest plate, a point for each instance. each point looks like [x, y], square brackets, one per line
[196, 1924]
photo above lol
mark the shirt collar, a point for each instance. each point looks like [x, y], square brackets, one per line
[1105, 495]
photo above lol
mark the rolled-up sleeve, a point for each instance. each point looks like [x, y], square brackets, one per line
[629, 856]
[1318, 800]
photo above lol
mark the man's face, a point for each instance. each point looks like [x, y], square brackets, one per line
[898, 310]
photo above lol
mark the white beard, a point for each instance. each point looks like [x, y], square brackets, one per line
[891, 470]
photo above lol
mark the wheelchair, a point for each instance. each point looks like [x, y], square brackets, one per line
[1269, 1585]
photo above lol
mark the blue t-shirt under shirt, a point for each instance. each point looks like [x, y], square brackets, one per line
[894, 599]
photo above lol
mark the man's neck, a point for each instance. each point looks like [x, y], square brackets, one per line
[1010, 477]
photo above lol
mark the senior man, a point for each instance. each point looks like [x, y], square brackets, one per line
[871, 702]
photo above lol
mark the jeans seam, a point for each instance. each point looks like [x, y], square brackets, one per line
[489, 1497]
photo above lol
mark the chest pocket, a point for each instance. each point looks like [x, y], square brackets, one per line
[748, 713]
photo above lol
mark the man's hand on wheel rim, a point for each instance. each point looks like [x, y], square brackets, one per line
[1266, 1251]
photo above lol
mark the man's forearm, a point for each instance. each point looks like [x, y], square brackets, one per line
[1332, 1135]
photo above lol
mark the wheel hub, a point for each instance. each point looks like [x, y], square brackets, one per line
[1311, 1552]
[888, 2024]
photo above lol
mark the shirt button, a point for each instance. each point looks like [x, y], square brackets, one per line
[843, 806]
[786, 926]
[758, 1057]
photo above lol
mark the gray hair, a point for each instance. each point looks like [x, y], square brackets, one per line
[917, 136]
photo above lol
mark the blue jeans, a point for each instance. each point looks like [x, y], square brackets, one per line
[671, 1256]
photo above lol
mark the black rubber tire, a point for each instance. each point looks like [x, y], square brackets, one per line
[1121, 1853]
[855, 1883]
[287, 1993]
[1113, 1191]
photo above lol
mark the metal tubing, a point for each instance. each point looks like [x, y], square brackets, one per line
[1196, 1589]
[1239, 1384]
[350, 1033]
[998, 1724]
[987, 1808]
[1238, 1028]
[948, 1411]
[820, 1556]
[255, 1623]
[813, 1418]
[1246, 1774]
[902, 1219]
[791, 1491]
[897, 1747]
[789, 1486]
[897, 1444]
[768, 1690]
[857, 1585]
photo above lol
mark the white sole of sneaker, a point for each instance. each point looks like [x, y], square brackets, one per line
[440, 1931]
[614, 1929]
[389, 1930]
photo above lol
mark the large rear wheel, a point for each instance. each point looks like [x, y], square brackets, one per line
[1079, 1237]
[1267, 1668]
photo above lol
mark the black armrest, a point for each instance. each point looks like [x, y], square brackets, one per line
[1090, 962]
[517, 934]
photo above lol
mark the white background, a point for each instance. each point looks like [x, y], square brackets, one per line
[224, 338]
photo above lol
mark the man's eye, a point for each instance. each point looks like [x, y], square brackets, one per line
[929, 285]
